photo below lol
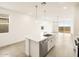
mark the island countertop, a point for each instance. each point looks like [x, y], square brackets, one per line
[40, 38]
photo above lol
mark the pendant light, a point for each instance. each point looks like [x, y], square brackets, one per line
[36, 11]
[44, 9]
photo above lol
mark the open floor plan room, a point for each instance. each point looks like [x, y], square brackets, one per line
[39, 29]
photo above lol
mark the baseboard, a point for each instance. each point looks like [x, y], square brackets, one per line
[11, 44]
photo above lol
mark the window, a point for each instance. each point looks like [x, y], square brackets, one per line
[4, 23]
[64, 29]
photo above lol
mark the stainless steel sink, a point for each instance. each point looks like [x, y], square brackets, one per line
[47, 35]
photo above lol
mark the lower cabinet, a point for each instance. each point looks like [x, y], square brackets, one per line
[49, 44]
[40, 49]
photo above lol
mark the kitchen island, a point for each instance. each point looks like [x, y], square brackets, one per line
[40, 48]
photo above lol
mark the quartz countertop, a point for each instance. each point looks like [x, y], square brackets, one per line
[40, 38]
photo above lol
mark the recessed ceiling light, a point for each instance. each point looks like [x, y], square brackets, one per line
[65, 7]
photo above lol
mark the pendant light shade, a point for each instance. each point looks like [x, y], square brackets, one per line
[36, 11]
[44, 9]
[43, 3]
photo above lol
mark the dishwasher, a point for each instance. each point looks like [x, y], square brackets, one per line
[43, 48]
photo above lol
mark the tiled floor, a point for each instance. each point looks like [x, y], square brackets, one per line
[15, 50]
[63, 48]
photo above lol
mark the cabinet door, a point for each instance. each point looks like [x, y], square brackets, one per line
[49, 44]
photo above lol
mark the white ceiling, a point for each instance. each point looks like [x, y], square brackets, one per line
[52, 8]
[26, 7]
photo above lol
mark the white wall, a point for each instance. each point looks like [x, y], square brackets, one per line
[20, 27]
[76, 21]
[14, 34]
[48, 26]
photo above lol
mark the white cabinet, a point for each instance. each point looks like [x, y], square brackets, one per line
[33, 48]
[37, 49]
[40, 48]
[51, 43]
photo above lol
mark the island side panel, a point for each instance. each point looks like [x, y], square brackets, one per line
[27, 46]
[33, 48]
